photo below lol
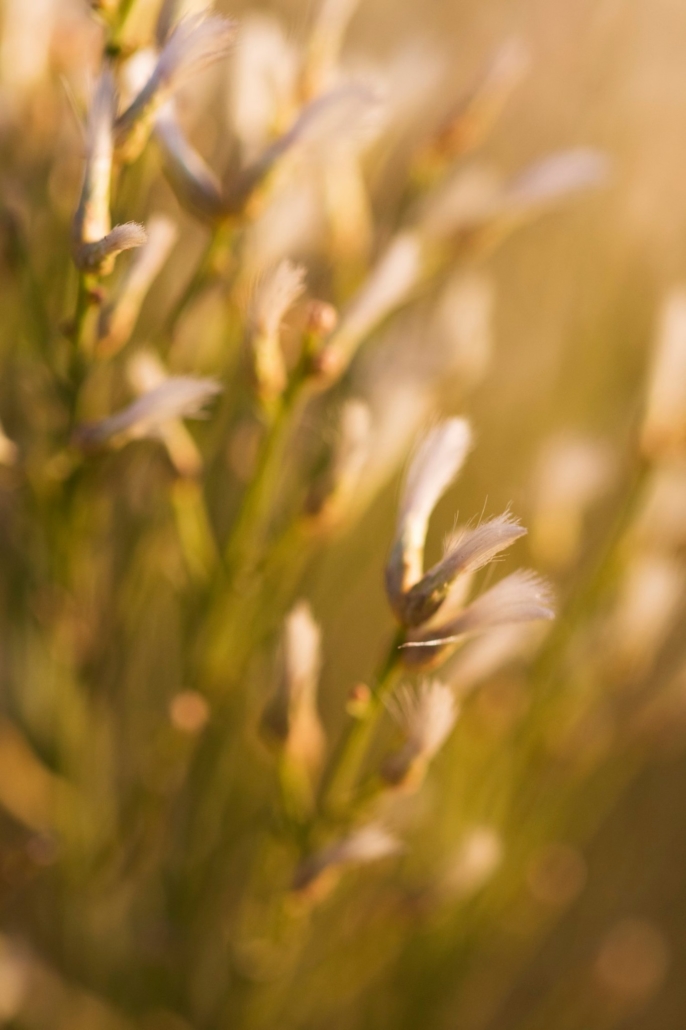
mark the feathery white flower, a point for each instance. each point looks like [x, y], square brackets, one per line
[468, 126]
[97, 257]
[172, 12]
[118, 318]
[467, 200]
[521, 597]
[435, 465]
[485, 655]
[476, 198]
[473, 548]
[194, 44]
[176, 397]
[426, 716]
[349, 112]
[274, 296]
[469, 551]
[471, 208]
[146, 372]
[345, 116]
[554, 177]
[389, 285]
[367, 844]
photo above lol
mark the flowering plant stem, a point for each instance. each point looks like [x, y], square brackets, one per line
[78, 363]
[343, 770]
[244, 542]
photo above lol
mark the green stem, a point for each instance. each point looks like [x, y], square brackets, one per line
[246, 535]
[78, 365]
[344, 767]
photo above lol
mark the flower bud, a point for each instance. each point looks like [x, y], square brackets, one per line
[274, 296]
[194, 44]
[291, 718]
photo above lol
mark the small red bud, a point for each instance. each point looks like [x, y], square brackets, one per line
[357, 704]
[322, 318]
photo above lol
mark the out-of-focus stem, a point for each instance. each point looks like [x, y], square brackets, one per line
[114, 40]
[600, 579]
[78, 364]
[198, 280]
[244, 540]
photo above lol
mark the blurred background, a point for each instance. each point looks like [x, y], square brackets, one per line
[545, 883]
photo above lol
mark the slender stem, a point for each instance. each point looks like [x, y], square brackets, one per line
[245, 538]
[78, 367]
[344, 767]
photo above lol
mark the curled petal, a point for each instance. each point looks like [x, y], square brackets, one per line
[196, 186]
[176, 397]
[521, 597]
[435, 465]
[98, 255]
[194, 44]
[368, 844]
[473, 549]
